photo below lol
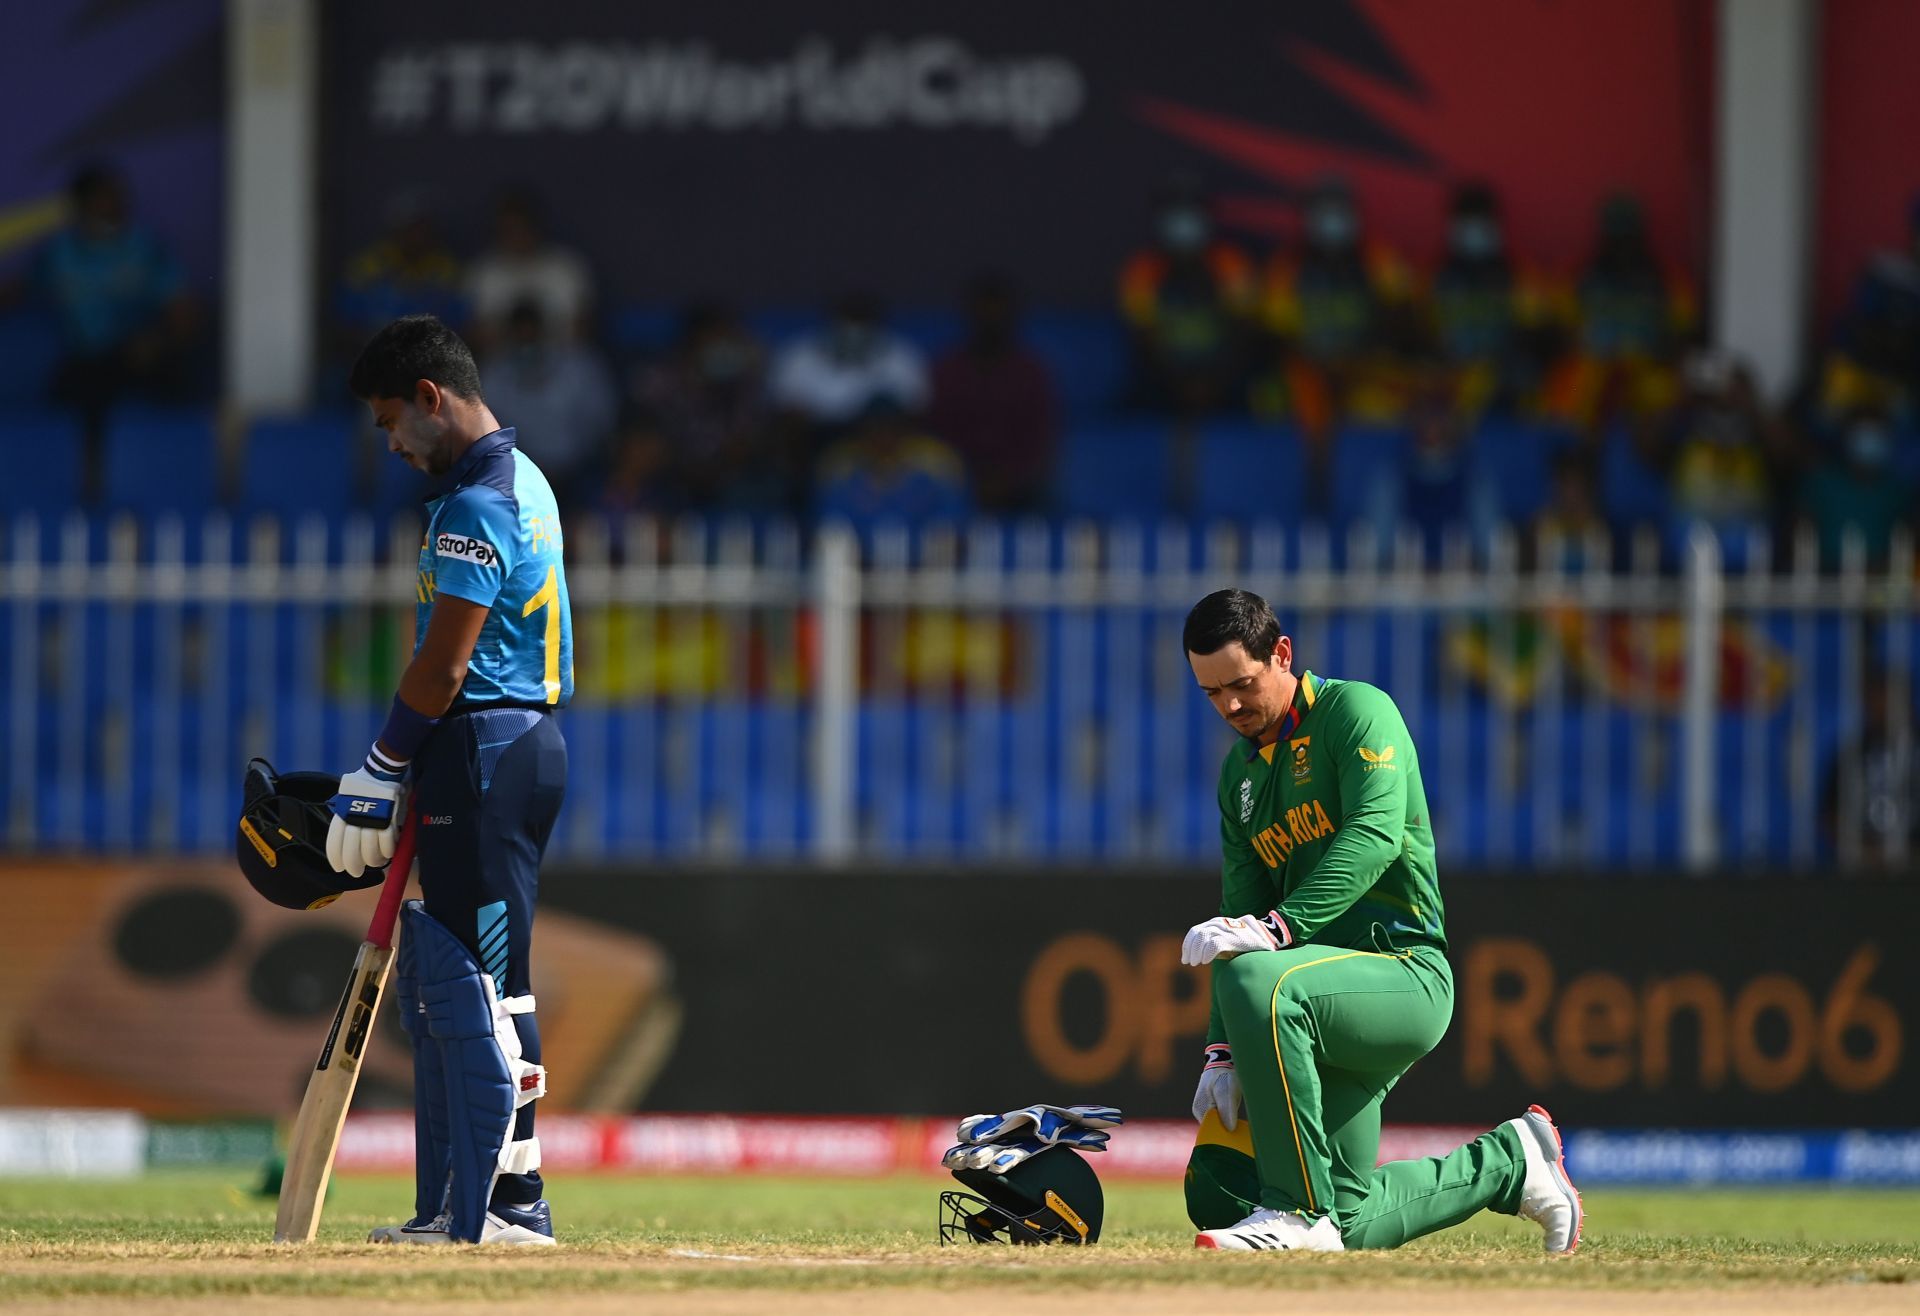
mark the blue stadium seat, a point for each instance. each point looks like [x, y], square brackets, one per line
[1631, 492]
[1118, 470]
[933, 331]
[29, 350]
[641, 330]
[299, 464]
[162, 460]
[41, 450]
[1249, 472]
[1361, 455]
[1517, 459]
[1086, 351]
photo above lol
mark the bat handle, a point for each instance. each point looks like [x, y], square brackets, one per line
[387, 912]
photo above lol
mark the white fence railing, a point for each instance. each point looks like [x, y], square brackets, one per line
[993, 692]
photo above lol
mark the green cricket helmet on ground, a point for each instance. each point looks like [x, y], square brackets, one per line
[282, 839]
[1052, 1196]
[1222, 1181]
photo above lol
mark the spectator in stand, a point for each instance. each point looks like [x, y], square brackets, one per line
[1875, 359]
[1438, 489]
[707, 398]
[1633, 321]
[993, 401]
[127, 326]
[634, 475]
[1856, 489]
[828, 379]
[1491, 317]
[1570, 533]
[1344, 315]
[408, 269]
[555, 392]
[1725, 456]
[1870, 798]
[1188, 301]
[889, 472]
[525, 265]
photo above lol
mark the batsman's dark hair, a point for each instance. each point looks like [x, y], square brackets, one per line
[413, 348]
[1227, 615]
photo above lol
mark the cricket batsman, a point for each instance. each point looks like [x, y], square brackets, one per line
[1330, 974]
[472, 736]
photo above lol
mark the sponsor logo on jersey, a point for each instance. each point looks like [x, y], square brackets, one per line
[1378, 761]
[1302, 770]
[467, 549]
[437, 820]
[1246, 801]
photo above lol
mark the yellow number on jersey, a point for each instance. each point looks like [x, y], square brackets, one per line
[549, 593]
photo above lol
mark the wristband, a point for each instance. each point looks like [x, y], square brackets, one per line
[405, 732]
[1273, 923]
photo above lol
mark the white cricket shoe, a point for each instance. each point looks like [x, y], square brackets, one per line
[1548, 1197]
[1275, 1231]
[531, 1224]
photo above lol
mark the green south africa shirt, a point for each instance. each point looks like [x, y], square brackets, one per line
[1328, 826]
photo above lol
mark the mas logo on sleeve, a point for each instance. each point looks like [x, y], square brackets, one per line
[467, 549]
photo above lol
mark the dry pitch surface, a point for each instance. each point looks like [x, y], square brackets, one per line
[184, 1243]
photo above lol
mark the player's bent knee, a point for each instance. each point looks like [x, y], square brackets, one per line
[1244, 984]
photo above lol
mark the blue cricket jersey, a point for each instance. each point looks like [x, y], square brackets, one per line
[493, 538]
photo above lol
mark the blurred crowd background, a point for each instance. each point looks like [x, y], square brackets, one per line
[1527, 290]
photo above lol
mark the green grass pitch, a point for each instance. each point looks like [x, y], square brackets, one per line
[199, 1235]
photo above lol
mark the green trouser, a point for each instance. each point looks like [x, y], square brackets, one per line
[1319, 1036]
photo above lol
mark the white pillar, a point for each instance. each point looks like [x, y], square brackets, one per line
[273, 63]
[1763, 183]
[1700, 699]
[837, 694]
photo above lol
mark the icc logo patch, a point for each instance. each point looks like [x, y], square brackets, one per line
[1301, 769]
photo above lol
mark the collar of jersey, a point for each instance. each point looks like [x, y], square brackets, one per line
[487, 445]
[1304, 699]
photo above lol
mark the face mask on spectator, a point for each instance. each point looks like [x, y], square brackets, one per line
[1184, 229]
[853, 338]
[1869, 444]
[1475, 237]
[1332, 227]
[722, 361]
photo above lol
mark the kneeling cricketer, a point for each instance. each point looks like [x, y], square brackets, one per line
[1330, 975]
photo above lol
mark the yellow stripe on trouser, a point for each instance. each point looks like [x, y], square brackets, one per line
[1273, 1014]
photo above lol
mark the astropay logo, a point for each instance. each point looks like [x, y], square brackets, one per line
[467, 549]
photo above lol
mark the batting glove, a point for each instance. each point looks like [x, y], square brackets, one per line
[1223, 938]
[999, 1157]
[1048, 1123]
[366, 820]
[1219, 1087]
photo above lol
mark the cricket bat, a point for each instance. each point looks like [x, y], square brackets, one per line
[316, 1131]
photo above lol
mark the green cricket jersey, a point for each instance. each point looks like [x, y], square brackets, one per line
[1328, 826]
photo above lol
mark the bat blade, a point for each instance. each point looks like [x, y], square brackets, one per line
[323, 1111]
[315, 1139]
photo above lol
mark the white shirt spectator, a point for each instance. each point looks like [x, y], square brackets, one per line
[830, 376]
[553, 277]
[562, 400]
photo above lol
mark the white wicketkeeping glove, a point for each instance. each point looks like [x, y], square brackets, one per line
[1219, 1087]
[366, 821]
[1047, 1123]
[1223, 938]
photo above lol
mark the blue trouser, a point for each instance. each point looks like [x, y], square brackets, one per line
[488, 786]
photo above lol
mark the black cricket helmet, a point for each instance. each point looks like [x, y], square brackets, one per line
[282, 841]
[1051, 1197]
